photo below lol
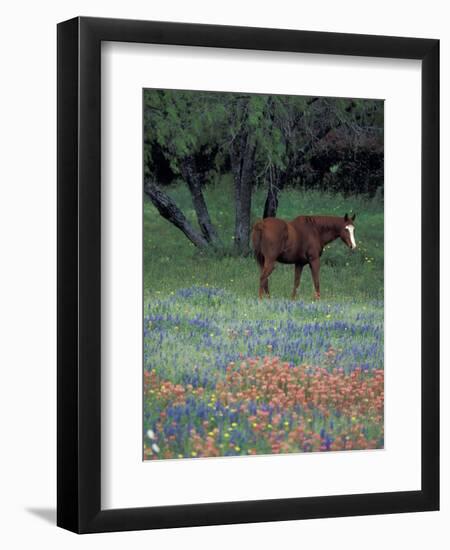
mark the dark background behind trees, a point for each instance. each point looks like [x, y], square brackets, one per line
[272, 141]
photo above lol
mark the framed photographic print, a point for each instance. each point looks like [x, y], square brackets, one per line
[248, 274]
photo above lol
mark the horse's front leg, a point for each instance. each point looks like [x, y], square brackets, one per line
[315, 268]
[298, 273]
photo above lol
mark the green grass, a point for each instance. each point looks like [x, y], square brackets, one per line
[171, 262]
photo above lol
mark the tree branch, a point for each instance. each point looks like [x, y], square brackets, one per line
[192, 177]
[170, 211]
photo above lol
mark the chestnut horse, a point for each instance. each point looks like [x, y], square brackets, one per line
[299, 242]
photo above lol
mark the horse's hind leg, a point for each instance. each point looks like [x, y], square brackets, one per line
[262, 289]
[265, 287]
[269, 266]
[298, 273]
[263, 284]
[315, 267]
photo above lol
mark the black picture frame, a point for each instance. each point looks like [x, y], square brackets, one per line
[79, 281]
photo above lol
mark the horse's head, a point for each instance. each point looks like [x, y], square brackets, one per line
[347, 233]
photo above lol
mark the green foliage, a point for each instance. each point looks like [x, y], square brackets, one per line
[287, 130]
[180, 122]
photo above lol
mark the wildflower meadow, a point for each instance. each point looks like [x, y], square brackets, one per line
[228, 375]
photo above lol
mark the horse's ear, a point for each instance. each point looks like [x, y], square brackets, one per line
[353, 217]
[346, 217]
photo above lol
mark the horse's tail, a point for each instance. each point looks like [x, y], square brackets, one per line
[256, 240]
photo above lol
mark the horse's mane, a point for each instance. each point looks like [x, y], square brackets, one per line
[324, 223]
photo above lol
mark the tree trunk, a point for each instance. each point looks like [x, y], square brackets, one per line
[169, 210]
[277, 180]
[242, 162]
[193, 180]
[271, 204]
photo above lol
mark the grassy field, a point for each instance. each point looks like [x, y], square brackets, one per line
[226, 374]
[171, 262]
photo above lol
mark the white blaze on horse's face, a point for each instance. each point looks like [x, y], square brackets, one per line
[351, 230]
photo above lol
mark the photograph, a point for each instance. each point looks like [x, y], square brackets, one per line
[225, 254]
[263, 274]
